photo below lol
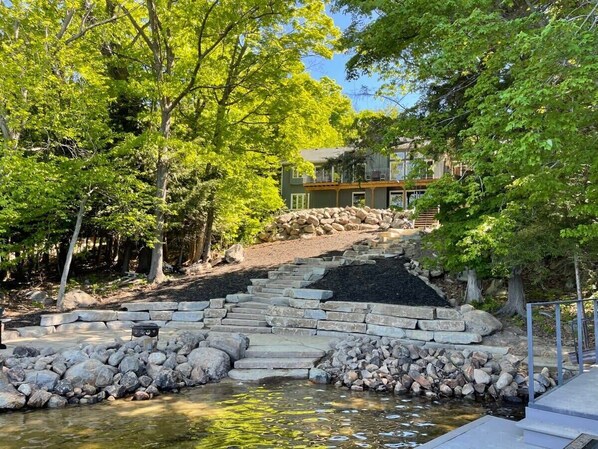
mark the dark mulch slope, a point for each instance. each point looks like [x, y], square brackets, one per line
[385, 282]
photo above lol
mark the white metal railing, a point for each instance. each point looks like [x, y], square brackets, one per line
[583, 340]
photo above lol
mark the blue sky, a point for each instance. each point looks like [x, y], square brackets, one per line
[335, 69]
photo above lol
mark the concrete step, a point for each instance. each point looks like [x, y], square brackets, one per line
[246, 316]
[242, 329]
[283, 351]
[256, 375]
[250, 305]
[236, 322]
[275, 363]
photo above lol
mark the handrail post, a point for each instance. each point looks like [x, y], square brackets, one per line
[530, 354]
[595, 331]
[580, 336]
[559, 344]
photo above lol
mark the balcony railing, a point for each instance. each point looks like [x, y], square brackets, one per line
[367, 175]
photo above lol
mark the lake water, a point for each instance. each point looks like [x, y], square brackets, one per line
[230, 415]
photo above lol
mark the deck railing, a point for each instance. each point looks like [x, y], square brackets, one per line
[580, 330]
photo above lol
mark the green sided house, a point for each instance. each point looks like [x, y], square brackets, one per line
[382, 182]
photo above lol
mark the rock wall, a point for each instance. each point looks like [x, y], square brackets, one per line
[141, 368]
[384, 364]
[309, 316]
[312, 222]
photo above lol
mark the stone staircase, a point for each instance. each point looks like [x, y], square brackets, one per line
[276, 361]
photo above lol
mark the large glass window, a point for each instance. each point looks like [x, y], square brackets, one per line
[299, 201]
[412, 196]
[403, 162]
[395, 199]
[358, 199]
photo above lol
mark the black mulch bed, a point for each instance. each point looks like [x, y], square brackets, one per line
[385, 282]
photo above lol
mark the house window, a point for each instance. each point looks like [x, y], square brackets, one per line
[295, 173]
[403, 162]
[299, 201]
[358, 199]
[395, 199]
[413, 196]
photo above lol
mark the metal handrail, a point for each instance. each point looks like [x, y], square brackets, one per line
[559, 343]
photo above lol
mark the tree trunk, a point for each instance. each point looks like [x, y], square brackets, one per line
[473, 293]
[207, 242]
[156, 274]
[69, 255]
[125, 260]
[516, 298]
[144, 260]
[577, 277]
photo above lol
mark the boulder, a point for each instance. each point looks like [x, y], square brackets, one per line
[214, 362]
[480, 322]
[39, 398]
[43, 379]
[235, 254]
[78, 298]
[10, 398]
[87, 373]
[56, 401]
[25, 351]
[318, 376]
[167, 379]
[233, 344]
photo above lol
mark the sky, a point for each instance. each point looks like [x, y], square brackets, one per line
[334, 68]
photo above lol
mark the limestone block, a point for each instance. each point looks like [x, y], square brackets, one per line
[293, 331]
[457, 337]
[342, 326]
[161, 315]
[393, 321]
[196, 306]
[280, 321]
[97, 315]
[239, 297]
[35, 331]
[10, 334]
[385, 331]
[419, 335]
[309, 293]
[344, 306]
[217, 303]
[147, 306]
[187, 316]
[285, 312]
[346, 316]
[184, 324]
[214, 313]
[314, 314]
[212, 321]
[443, 313]
[304, 303]
[81, 326]
[442, 325]
[335, 334]
[423, 313]
[132, 316]
[58, 318]
[119, 325]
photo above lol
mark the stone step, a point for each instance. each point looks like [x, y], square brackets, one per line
[285, 276]
[276, 363]
[279, 283]
[275, 290]
[290, 268]
[236, 322]
[266, 295]
[259, 281]
[272, 301]
[246, 316]
[308, 260]
[242, 329]
[251, 305]
[256, 375]
[245, 311]
[283, 351]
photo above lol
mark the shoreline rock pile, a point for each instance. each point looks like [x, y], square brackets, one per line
[387, 365]
[140, 369]
[312, 222]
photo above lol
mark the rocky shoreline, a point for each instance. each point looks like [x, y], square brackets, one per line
[139, 369]
[387, 365]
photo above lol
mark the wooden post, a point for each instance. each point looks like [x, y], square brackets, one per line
[338, 191]
[372, 200]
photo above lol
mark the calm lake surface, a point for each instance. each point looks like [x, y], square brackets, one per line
[229, 415]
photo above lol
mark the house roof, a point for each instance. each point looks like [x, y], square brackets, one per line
[320, 155]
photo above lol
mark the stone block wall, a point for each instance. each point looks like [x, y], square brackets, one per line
[312, 317]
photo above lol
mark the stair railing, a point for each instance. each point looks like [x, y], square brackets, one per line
[582, 332]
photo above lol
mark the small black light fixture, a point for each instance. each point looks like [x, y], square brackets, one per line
[2, 345]
[145, 329]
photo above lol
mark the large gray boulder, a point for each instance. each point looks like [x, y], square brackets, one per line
[235, 254]
[87, 373]
[233, 344]
[39, 398]
[43, 379]
[78, 298]
[214, 362]
[481, 322]
[10, 398]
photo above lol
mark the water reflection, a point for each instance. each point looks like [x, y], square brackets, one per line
[228, 415]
